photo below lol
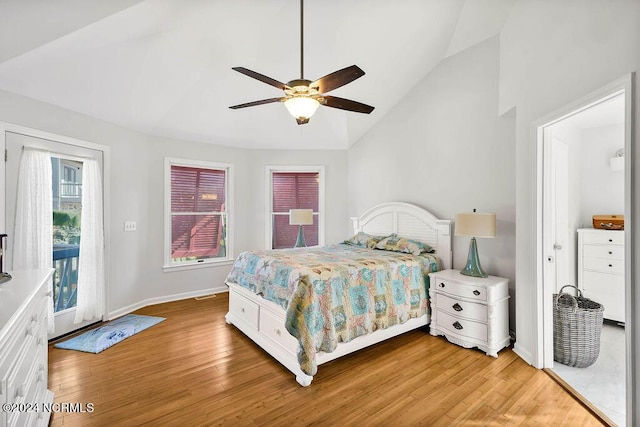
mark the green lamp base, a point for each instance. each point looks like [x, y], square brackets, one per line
[300, 243]
[473, 267]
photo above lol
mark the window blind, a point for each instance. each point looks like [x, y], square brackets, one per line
[197, 212]
[294, 190]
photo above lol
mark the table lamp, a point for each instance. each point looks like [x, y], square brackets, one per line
[300, 217]
[475, 224]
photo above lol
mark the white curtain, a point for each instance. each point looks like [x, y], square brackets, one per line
[32, 237]
[91, 259]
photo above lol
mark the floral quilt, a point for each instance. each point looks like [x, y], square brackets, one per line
[336, 293]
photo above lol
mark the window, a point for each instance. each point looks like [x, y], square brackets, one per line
[198, 203]
[294, 188]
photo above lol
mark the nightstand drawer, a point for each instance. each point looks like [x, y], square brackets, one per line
[458, 289]
[468, 310]
[467, 328]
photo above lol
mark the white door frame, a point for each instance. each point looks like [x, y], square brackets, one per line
[106, 166]
[543, 333]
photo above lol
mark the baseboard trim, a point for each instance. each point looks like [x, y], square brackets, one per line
[159, 300]
[580, 398]
[524, 354]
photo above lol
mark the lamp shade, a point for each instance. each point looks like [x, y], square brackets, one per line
[300, 216]
[476, 224]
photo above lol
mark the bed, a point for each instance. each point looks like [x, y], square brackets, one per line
[292, 302]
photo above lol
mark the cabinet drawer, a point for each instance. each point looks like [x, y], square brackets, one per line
[244, 309]
[273, 327]
[608, 290]
[468, 310]
[603, 251]
[458, 289]
[464, 327]
[603, 237]
[17, 383]
[612, 266]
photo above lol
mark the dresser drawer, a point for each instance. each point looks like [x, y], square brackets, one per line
[273, 327]
[464, 327]
[458, 289]
[603, 265]
[468, 310]
[603, 237]
[603, 251]
[608, 290]
[246, 310]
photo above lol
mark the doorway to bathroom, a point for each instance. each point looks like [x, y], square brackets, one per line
[583, 174]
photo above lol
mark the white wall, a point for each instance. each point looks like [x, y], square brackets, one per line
[551, 54]
[135, 274]
[602, 188]
[443, 147]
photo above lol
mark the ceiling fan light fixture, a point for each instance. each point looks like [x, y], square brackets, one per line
[301, 107]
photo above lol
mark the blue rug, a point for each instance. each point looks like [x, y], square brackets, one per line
[103, 337]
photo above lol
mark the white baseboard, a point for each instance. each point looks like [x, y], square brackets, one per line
[159, 300]
[524, 354]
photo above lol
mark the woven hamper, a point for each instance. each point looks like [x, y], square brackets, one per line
[577, 323]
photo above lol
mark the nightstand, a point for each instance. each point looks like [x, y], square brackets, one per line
[470, 311]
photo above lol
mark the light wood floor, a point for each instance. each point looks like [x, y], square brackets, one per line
[194, 369]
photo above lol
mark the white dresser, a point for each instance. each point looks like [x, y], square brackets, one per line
[601, 269]
[470, 311]
[23, 349]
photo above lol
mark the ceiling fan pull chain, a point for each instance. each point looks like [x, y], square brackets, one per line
[301, 39]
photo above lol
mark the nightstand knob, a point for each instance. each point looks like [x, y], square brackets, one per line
[610, 253]
[457, 325]
[610, 265]
[441, 285]
[610, 240]
[476, 292]
[457, 307]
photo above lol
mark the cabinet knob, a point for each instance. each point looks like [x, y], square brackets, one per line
[242, 310]
[441, 285]
[456, 307]
[610, 265]
[610, 240]
[457, 325]
[476, 292]
[610, 253]
[277, 331]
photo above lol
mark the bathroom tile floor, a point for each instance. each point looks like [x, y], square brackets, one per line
[602, 383]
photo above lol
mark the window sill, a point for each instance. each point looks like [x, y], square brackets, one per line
[195, 266]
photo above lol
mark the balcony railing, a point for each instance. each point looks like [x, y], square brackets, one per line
[70, 189]
[65, 278]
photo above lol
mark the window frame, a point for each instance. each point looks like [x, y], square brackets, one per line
[170, 265]
[269, 171]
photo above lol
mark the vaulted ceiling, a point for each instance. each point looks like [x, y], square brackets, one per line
[163, 67]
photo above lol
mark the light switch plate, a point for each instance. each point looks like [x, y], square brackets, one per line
[129, 226]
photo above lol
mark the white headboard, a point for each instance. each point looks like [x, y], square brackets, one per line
[411, 221]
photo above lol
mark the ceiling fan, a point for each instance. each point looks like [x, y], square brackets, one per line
[302, 97]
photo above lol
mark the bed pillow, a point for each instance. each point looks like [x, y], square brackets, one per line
[402, 244]
[364, 240]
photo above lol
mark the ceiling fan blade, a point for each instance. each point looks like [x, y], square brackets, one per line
[347, 104]
[254, 103]
[338, 78]
[261, 77]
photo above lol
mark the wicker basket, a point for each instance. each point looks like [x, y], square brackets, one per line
[577, 323]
